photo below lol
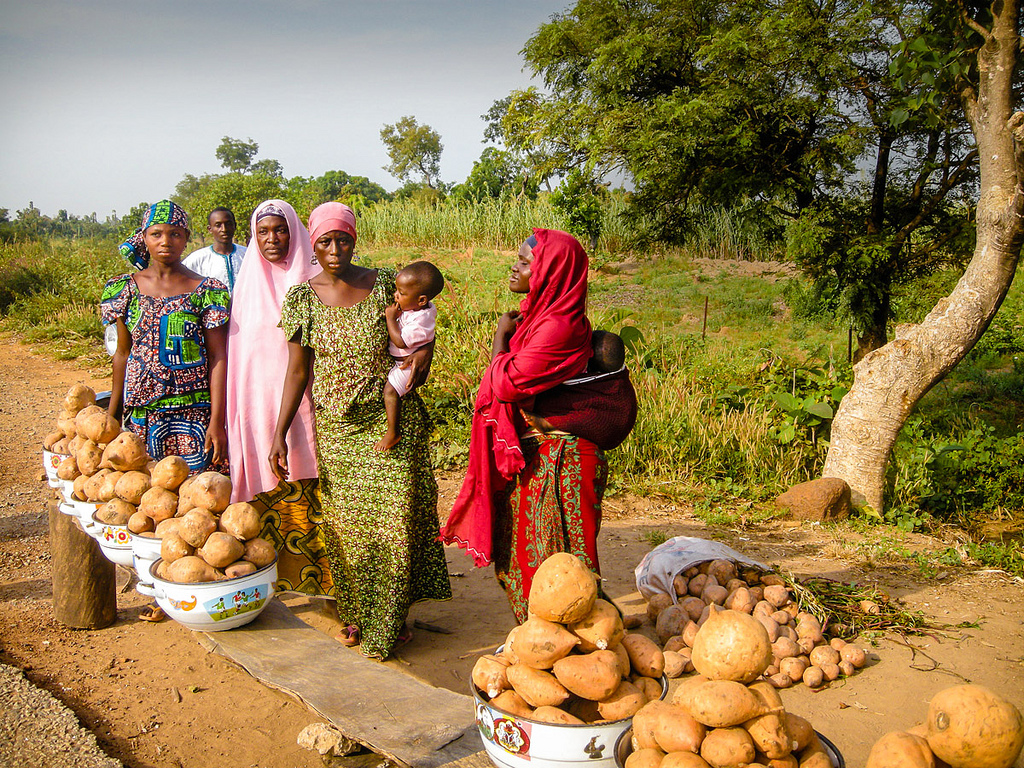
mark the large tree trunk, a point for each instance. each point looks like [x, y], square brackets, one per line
[889, 382]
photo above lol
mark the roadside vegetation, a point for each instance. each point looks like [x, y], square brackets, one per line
[735, 406]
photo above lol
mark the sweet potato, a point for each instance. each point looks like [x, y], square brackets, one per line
[169, 473]
[671, 621]
[600, 629]
[644, 655]
[511, 702]
[658, 723]
[211, 490]
[78, 488]
[196, 526]
[537, 687]
[166, 527]
[657, 604]
[125, 453]
[680, 584]
[683, 760]
[824, 654]
[731, 646]
[191, 569]
[99, 427]
[714, 593]
[693, 606]
[259, 552]
[239, 568]
[220, 549]
[650, 757]
[898, 749]
[625, 701]
[241, 520]
[78, 397]
[722, 570]
[740, 600]
[158, 503]
[969, 726]
[854, 655]
[546, 714]
[675, 664]
[539, 643]
[115, 512]
[489, 675]
[724, 703]
[777, 595]
[727, 748]
[68, 469]
[105, 491]
[563, 589]
[696, 584]
[593, 676]
[623, 659]
[768, 732]
[813, 677]
[91, 486]
[173, 547]
[131, 486]
[799, 730]
[651, 688]
[140, 523]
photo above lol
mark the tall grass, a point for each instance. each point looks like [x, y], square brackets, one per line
[496, 224]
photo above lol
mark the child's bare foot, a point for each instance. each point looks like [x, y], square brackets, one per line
[389, 441]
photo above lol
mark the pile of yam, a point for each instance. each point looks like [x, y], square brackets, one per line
[968, 726]
[800, 649]
[727, 715]
[571, 662]
[203, 536]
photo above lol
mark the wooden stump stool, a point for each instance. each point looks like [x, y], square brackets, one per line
[84, 595]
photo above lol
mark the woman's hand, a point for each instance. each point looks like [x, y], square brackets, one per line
[279, 458]
[419, 361]
[217, 442]
[507, 325]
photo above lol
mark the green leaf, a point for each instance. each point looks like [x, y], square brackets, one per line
[787, 401]
[822, 410]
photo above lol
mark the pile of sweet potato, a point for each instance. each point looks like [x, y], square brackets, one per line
[571, 662]
[801, 651]
[203, 536]
[726, 715]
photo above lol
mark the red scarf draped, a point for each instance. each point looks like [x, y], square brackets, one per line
[550, 345]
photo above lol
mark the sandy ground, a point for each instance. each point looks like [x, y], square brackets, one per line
[154, 697]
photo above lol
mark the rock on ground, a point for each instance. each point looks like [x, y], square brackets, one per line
[37, 731]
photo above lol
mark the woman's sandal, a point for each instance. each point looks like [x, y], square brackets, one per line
[349, 636]
[152, 613]
[404, 635]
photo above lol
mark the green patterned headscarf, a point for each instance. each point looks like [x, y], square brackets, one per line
[164, 212]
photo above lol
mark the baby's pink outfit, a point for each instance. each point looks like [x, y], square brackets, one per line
[417, 329]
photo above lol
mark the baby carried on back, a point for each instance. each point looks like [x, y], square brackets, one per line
[598, 405]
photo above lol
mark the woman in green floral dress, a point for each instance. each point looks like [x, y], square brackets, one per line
[379, 508]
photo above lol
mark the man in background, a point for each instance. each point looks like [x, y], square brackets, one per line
[223, 258]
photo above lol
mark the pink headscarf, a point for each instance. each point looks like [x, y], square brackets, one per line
[329, 217]
[550, 345]
[257, 358]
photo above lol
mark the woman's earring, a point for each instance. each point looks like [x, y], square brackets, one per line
[312, 259]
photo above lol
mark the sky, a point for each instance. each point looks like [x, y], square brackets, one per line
[108, 103]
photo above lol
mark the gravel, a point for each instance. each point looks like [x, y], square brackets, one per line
[37, 731]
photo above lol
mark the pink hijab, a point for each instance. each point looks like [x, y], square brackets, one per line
[331, 217]
[550, 345]
[257, 358]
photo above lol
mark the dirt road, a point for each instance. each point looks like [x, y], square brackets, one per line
[154, 698]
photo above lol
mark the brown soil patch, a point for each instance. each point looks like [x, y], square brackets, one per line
[154, 697]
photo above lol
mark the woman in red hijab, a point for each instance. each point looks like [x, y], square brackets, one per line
[529, 494]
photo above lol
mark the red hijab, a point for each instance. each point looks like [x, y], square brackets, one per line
[550, 345]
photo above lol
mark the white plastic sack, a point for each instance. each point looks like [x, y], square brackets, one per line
[662, 564]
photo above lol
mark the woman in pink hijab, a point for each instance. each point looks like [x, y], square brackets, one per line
[279, 256]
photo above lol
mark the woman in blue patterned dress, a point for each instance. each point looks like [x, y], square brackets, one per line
[169, 370]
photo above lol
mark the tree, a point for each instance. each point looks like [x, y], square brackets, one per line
[496, 175]
[236, 155]
[413, 149]
[510, 124]
[773, 105]
[890, 381]
[577, 197]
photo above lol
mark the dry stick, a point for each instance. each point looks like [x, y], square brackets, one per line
[704, 327]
